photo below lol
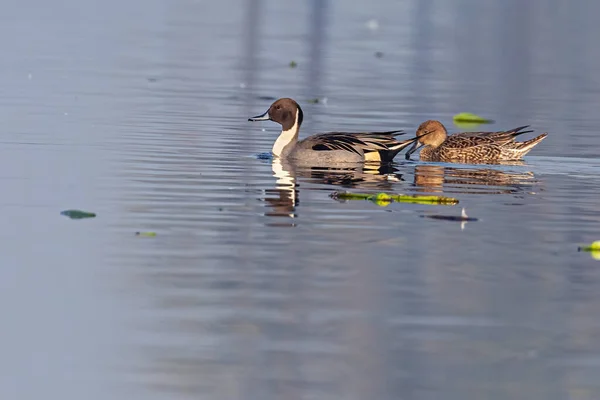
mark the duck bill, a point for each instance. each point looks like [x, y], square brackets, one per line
[416, 146]
[262, 117]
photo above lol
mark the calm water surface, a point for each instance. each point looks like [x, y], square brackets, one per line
[258, 284]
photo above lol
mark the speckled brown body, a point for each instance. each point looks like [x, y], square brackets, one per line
[471, 147]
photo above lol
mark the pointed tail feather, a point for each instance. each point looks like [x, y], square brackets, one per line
[388, 155]
[513, 133]
[399, 132]
[386, 133]
[519, 131]
[526, 146]
[379, 133]
[401, 145]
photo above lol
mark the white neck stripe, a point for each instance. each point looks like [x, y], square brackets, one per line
[286, 137]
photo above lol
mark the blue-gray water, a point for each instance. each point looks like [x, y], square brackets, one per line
[258, 285]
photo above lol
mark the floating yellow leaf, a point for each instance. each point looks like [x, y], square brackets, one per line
[383, 199]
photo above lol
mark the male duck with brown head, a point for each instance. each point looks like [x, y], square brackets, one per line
[470, 147]
[328, 148]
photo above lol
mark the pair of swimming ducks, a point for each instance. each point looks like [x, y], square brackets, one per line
[432, 137]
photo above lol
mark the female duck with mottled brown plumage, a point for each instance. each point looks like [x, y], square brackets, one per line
[328, 148]
[470, 147]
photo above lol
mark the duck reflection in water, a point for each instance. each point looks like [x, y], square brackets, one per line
[437, 178]
[284, 198]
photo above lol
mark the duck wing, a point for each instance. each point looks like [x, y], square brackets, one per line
[354, 142]
[498, 138]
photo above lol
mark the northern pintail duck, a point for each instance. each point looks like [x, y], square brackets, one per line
[331, 147]
[470, 147]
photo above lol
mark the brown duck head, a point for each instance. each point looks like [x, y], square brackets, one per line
[430, 133]
[283, 111]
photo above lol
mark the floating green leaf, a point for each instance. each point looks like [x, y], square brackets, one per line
[78, 214]
[595, 246]
[293, 64]
[313, 101]
[593, 249]
[465, 117]
[467, 125]
[470, 121]
[383, 199]
[146, 234]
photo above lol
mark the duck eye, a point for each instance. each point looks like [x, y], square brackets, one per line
[278, 108]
